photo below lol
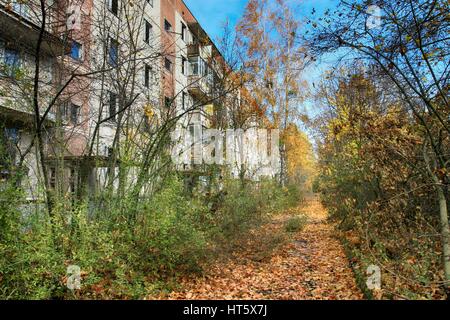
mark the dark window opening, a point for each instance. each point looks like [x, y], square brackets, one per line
[148, 32]
[147, 72]
[112, 107]
[113, 6]
[183, 31]
[167, 102]
[113, 52]
[74, 114]
[168, 64]
[167, 25]
[64, 112]
[73, 180]
[183, 65]
[52, 178]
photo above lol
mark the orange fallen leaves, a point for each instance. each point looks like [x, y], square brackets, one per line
[311, 265]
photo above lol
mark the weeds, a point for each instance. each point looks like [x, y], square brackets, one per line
[295, 223]
[123, 255]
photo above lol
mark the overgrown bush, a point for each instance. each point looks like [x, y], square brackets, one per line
[169, 231]
[30, 265]
[384, 204]
[295, 223]
[123, 248]
[240, 209]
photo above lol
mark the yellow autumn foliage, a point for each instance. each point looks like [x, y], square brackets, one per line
[301, 165]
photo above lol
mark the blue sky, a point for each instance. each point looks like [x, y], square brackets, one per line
[213, 13]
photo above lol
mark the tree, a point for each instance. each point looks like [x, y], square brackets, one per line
[408, 46]
[300, 157]
[274, 59]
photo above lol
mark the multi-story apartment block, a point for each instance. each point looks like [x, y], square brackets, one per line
[20, 28]
[107, 69]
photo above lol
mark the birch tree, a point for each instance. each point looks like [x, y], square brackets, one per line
[408, 42]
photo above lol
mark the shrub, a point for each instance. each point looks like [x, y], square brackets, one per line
[243, 207]
[295, 223]
[123, 248]
[274, 198]
[239, 210]
[30, 265]
[168, 233]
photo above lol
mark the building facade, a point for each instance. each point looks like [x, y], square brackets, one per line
[108, 70]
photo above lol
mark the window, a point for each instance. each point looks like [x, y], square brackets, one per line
[198, 67]
[52, 178]
[64, 111]
[183, 65]
[148, 32]
[74, 114]
[47, 70]
[150, 2]
[183, 32]
[147, 72]
[183, 100]
[113, 52]
[167, 25]
[112, 106]
[75, 50]
[113, 6]
[72, 181]
[194, 66]
[12, 139]
[168, 64]
[21, 8]
[9, 139]
[167, 102]
[192, 130]
[12, 61]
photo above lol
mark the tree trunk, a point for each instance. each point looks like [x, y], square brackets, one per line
[283, 165]
[443, 217]
[445, 234]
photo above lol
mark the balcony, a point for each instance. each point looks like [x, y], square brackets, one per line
[16, 110]
[198, 87]
[18, 28]
[200, 78]
[193, 50]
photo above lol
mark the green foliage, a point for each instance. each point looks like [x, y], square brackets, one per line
[245, 207]
[170, 229]
[383, 202]
[239, 210]
[124, 249]
[295, 224]
[272, 198]
[29, 264]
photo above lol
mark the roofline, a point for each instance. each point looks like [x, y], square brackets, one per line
[209, 37]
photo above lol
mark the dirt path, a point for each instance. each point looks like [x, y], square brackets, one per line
[308, 264]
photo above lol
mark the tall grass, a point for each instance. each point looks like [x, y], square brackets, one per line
[123, 255]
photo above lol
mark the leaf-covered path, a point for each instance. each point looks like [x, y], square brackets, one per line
[309, 264]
